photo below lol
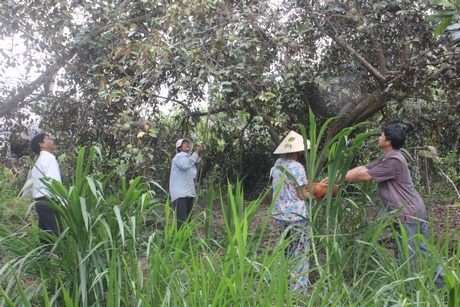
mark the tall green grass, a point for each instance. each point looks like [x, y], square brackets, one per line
[97, 254]
[108, 258]
[354, 266]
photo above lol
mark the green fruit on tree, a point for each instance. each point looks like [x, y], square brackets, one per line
[129, 146]
[231, 38]
[135, 151]
[285, 40]
[126, 127]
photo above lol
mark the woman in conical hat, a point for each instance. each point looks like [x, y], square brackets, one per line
[290, 210]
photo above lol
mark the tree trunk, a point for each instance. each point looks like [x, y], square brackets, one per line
[19, 98]
[29, 89]
[349, 116]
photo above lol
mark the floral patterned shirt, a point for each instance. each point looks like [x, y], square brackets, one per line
[288, 206]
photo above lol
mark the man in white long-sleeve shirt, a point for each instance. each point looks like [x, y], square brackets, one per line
[182, 180]
[47, 167]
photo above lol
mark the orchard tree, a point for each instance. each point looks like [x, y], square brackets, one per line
[255, 66]
[381, 57]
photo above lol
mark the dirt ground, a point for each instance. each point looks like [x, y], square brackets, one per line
[445, 217]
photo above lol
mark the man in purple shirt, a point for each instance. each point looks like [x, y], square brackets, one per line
[398, 193]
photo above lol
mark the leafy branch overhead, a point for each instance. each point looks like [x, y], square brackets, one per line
[252, 69]
[448, 18]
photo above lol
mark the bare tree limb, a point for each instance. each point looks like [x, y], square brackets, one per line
[380, 56]
[342, 43]
[29, 89]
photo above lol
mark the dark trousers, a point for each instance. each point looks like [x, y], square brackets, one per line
[183, 208]
[49, 219]
[411, 231]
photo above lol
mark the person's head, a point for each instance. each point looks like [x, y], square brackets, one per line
[395, 135]
[42, 142]
[184, 145]
[292, 146]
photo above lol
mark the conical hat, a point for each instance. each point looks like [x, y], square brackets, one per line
[293, 142]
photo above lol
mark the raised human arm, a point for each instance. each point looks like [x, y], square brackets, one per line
[186, 162]
[200, 149]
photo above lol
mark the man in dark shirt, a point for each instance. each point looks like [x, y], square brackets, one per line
[397, 193]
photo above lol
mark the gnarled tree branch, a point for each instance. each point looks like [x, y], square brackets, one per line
[93, 30]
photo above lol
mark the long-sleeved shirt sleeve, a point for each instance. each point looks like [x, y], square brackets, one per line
[183, 172]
